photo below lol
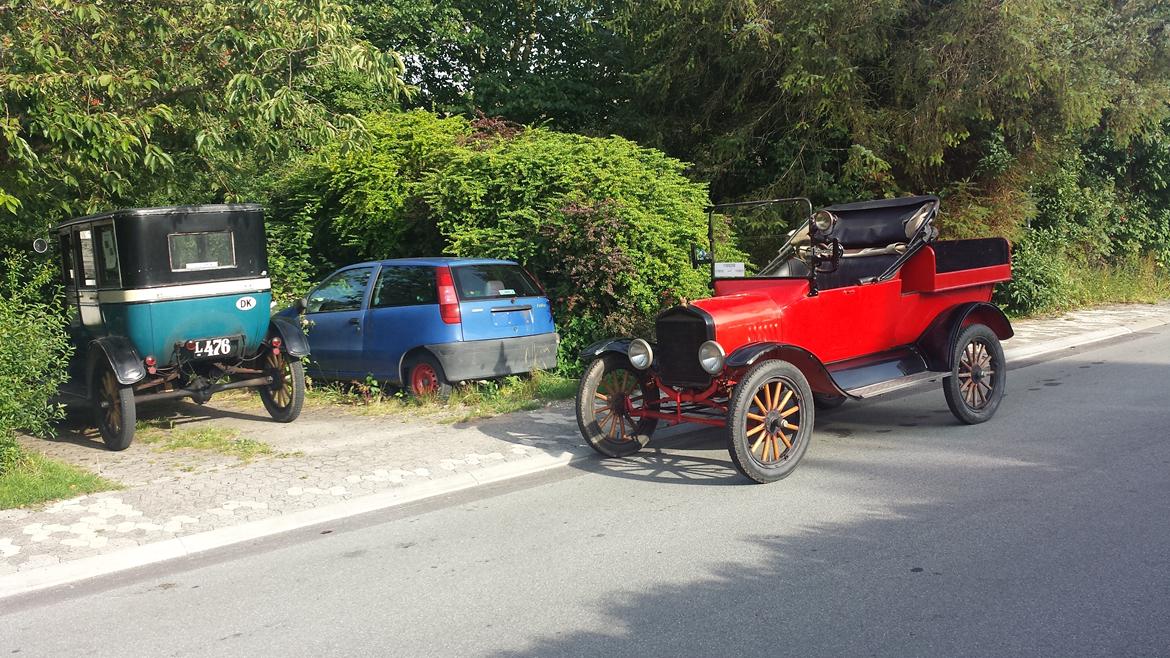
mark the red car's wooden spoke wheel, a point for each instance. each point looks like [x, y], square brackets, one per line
[609, 401]
[769, 421]
[976, 384]
[285, 396]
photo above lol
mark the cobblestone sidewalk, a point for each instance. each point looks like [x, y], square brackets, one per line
[329, 456]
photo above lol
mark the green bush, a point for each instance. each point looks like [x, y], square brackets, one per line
[606, 225]
[1039, 276]
[34, 352]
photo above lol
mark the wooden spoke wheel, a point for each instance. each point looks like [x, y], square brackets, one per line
[978, 375]
[609, 397]
[285, 396]
[115, 413]
[770, 421]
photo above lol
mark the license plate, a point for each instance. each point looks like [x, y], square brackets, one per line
[216, 348]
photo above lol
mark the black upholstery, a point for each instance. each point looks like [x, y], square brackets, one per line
[851, 271]
[875, 223]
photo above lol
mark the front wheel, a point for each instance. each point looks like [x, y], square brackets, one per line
[610, 393]
[770, 421]
[114, 411]
[285, 396]
[978, 376]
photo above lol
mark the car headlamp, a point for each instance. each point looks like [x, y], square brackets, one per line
[711, 357]
[640, 354]
[824, 221]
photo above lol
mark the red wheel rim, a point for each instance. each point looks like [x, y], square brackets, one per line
[424, 380]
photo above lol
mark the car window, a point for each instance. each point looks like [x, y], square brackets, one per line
[88, 260]
[341, 292]
[492, 281]
[68, 275]
[108, 274]
[202, 251]
[405, 286]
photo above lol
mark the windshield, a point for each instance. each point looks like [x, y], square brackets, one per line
[761, 239]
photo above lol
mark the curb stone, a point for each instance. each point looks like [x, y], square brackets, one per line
[64, 573]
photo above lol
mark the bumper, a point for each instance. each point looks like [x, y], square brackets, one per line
[481, 359]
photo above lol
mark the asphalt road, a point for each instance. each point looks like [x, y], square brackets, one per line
[1043, 532]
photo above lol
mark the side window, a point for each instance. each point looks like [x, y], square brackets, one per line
[405, 286]
[68, 274]
[341, 292]
[108, 274]
[88, 259]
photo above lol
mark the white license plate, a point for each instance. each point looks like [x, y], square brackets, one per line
[214, 348]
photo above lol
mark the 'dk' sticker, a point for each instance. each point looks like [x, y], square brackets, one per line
[246, 303]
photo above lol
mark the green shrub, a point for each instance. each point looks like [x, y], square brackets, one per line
[606, 225]
[1039, 276]
[34, 353]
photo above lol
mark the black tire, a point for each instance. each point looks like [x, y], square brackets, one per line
[285, 397]
[115, 413]
[778, 398]
[827, 402]
[424, 377]
[978, 375]
[607, 381]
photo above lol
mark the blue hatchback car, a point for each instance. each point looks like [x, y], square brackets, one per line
[425, 323]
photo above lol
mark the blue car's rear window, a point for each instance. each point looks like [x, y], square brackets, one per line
[493, 280]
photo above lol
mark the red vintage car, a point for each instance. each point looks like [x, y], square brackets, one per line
[861, 300]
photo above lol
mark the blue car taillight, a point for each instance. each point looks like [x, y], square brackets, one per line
[448, 300]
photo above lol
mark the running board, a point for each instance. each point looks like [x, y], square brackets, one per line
[875, 374]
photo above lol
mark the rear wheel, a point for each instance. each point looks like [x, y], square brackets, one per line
[285, 396]
[114, 411]
[770, 421]
[425, 378]
[611, 390]
[978, 376]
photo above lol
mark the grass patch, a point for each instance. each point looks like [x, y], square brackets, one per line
[222, 440]
[37, 479]
[468, 401]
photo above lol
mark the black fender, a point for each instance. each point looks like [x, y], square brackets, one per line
[818, 376]
[120, 354]
[937, 343]
[618, 345]
[294, 339]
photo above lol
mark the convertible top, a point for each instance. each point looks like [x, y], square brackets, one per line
[876, 223]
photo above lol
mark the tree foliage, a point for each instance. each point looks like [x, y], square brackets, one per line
[109, 103]
[532, 61]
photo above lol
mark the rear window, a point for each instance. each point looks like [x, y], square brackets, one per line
[492, 281]
[202, 251]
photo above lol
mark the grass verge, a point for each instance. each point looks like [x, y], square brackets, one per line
[164, 436]
[37, 479]
[469, 401]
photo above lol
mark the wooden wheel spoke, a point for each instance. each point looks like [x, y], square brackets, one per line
[760, 441]
[759, 404]
[599, 396]
[767, 397]
[756, 430]
[790, 411]
[785, 439]
[756, 416]
[784, 405]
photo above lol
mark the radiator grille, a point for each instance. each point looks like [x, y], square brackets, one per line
[680, 333]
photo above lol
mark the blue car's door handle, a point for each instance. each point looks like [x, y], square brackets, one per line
[356, 322]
